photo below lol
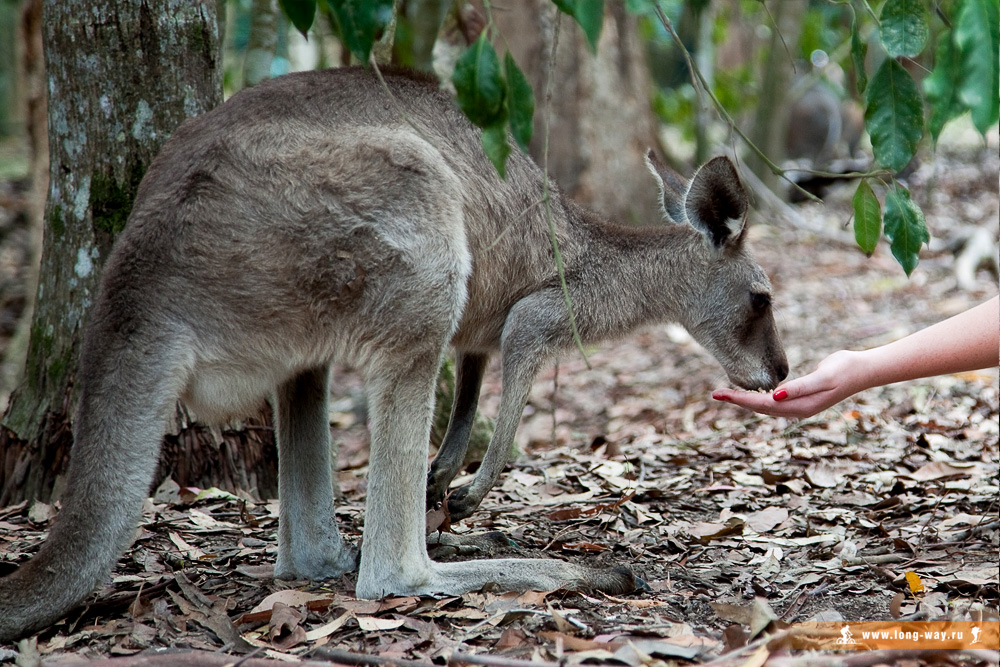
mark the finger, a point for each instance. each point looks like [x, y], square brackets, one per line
[747, 399]
[803, 406]
[800, 387]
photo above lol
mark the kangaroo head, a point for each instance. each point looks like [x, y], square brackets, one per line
[727, 307]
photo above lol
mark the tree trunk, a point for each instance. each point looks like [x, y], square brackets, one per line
[32, 75]
[771, 118]
[261, 42]
[121, 78]
[601, 121]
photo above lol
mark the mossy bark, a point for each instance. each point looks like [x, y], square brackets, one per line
[121, 78]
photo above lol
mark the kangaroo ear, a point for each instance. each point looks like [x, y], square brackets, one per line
[716, 203]
[672, 188]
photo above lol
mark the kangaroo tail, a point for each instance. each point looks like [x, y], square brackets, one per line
[127, 395]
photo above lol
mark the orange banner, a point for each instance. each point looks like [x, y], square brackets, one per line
[896, 634]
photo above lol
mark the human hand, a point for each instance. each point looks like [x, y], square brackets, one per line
[835, 378]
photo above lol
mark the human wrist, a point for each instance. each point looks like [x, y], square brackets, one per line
[868, 369]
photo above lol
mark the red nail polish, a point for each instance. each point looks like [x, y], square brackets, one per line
[780, 395]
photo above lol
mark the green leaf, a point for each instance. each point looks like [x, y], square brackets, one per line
[903, 27]
[301, 13]
[976, 31]
[479, 83]
[894, 116]
[520, 102]
[867, 218]
[361, 22]
[589, 14]
[905, 227]
[941, 86]
[859, 50]
[496, 146]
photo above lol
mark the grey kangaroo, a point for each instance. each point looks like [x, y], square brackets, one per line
[315, 218]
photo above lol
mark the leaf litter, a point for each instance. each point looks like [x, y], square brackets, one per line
[883, 507]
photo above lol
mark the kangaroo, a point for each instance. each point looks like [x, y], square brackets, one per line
[310, 220]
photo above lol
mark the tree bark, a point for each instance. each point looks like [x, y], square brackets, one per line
[121, 78]
[601, 123]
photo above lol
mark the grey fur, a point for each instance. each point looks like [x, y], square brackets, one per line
[305, 222]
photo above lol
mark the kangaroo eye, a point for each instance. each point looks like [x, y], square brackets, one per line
[760, 300]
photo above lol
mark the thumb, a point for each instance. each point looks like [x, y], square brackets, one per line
[797, 388]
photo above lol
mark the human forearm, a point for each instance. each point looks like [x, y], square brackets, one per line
[968, 341]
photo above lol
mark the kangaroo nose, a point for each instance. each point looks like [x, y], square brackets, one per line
[780, 371]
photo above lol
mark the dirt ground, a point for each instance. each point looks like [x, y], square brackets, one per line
[884, 507]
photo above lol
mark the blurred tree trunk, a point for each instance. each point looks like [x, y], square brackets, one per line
[771, 119]
[121, 78]
[32, 87]
[703, 17]
[8, 70]
[417, 25]
[261, 42]
[601, 120]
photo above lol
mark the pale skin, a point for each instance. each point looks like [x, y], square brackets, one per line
[966, 342]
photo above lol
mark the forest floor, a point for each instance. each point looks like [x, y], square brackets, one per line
[884, 508]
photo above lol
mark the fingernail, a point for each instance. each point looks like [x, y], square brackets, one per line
[780, 395]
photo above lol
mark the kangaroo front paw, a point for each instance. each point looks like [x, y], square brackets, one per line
[437, 486]
[462, 503]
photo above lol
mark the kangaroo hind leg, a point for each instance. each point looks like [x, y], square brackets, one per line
[468, 379]
[394, 558]
[309, 544]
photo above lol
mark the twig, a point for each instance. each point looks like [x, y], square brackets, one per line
[555, 397]
[734, 656]
[555, 538]
[767, 197]
[546, 195]
[700, 78]
[960, 538]
[245, 659]
[777, 29]
[878, 560]
[930, 515]
[871, 12]
[525, 611]
[400, 108]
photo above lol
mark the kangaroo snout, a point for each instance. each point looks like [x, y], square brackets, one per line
[777, 372]
[780, 371]
[770, 372]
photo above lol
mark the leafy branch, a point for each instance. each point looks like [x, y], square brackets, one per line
[964, 79]
[707, 89]
[899, 113]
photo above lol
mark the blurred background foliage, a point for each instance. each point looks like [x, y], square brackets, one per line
[730, 39]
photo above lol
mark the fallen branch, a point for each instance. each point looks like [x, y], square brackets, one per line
[882, 559]
[457, 658]
[883, 657]
[363, 659]
[496, 661]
